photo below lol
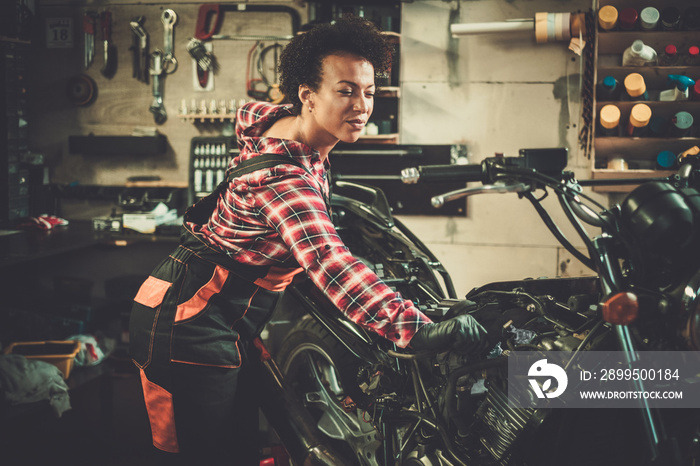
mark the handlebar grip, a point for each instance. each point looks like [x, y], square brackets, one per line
[465, 173]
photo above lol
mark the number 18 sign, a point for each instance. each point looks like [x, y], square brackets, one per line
[59, 33]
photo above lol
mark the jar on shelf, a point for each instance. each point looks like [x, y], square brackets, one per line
[607, 18]
[691, 19]
[635, 87]
[639, 120]
[609, 89]
[670, 18]
[627, 21]
[658, 126]
[665, 160]
[609, 120]
[693, 56]
[669, 56]
[649, 19]
[682, 125]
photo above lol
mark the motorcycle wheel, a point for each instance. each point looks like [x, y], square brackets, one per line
[315, 364]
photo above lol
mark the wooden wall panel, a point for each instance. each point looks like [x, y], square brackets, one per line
[122, 102]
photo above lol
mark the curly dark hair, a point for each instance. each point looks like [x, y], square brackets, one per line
[301, 60]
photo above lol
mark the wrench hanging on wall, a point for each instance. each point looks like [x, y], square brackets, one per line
[169, 20]
[157, 108]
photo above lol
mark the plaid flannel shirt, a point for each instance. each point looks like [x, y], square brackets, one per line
[279, 216]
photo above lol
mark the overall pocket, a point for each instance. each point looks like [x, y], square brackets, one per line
[144, 318]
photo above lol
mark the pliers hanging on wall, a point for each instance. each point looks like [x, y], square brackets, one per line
[139, 49]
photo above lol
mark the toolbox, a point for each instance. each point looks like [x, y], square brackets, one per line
[59, 353]
[209, 158]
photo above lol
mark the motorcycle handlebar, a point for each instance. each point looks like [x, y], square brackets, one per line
[466, 173]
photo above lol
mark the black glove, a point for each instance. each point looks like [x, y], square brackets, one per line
[462, 334]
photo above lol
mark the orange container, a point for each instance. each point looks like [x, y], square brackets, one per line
[59, 353]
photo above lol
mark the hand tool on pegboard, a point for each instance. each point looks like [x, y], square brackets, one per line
[169, 20]
[109, 66]
[157, 107]
[139, 49]
[89, 24]
[204, 60]
[211, 16]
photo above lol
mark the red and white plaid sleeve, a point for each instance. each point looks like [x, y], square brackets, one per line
[295, 207]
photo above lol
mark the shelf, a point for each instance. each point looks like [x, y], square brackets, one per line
[388, 91]
[118, 145]
[208, 118]
[607, 174]
[380, 139]
[639, 153]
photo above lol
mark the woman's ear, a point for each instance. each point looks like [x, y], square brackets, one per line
[305, 96]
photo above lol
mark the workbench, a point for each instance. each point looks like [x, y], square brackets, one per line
[105, 269]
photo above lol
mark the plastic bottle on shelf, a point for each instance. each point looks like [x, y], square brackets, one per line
[670, 18]
[628, 19]
[679, 91]
[669, 57]
[696, 91]
[635, 87]
[609, 120]
[608, 89]
[693, 57]
[690, 20]
[682, 125]
[665, 160]
[649, 19]
[639, 120]
[607, 18]
[639, 54]
[658, 126]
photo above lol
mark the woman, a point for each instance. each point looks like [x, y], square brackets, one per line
[195, 316]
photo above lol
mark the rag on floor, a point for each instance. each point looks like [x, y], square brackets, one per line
[25, 380]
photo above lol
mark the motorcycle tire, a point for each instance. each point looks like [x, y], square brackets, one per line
[319, 368]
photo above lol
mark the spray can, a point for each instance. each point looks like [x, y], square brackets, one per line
[682, 125]
[670, 19]
[658, 126]
[665, 160]
[691, 19]
[607, 18]
[628, 19]
[635, 87]
[639, 120]
[609, 120]
[649, 19]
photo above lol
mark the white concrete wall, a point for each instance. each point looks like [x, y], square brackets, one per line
[495, 93]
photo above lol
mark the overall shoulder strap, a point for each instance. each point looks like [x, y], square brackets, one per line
[261, 161]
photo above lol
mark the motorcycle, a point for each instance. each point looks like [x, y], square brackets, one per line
[337, 394]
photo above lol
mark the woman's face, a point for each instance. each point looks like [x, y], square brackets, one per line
[344, 100]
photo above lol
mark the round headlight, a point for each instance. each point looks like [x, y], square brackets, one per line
[658, 216]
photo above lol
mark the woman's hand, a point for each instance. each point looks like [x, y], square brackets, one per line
[462, 334]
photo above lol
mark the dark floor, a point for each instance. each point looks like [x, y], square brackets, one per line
[91, 433]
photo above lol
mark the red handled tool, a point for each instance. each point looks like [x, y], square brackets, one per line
[208, 21]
